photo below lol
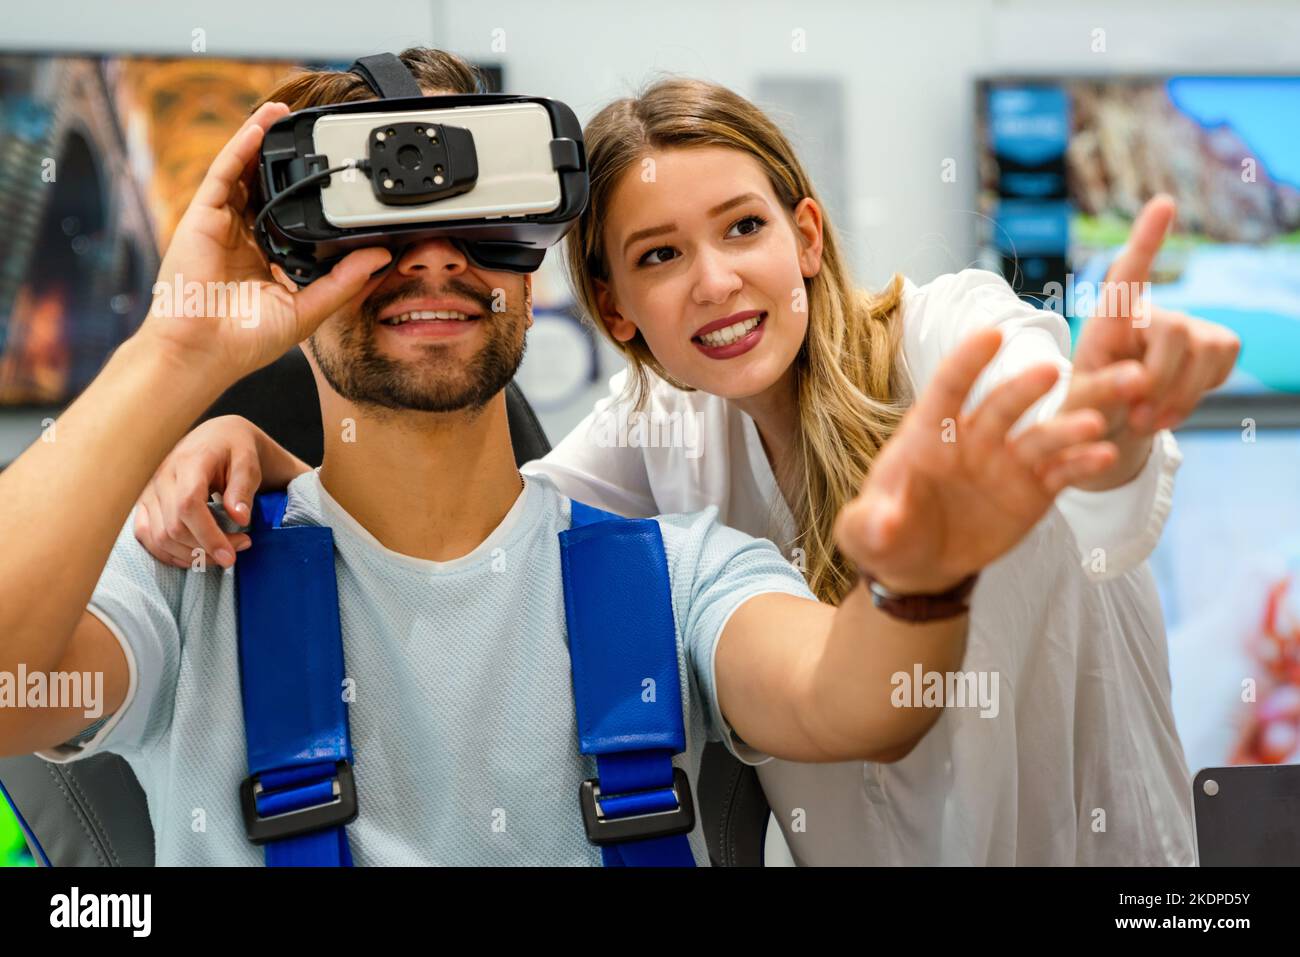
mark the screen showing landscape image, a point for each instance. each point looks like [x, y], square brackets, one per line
[1067, 164]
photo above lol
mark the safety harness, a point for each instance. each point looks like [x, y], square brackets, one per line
[300, 791]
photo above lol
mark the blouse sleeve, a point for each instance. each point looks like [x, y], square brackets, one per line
[1116, 530]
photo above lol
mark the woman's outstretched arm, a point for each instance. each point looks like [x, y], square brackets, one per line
[950, 492]
[1128, 356]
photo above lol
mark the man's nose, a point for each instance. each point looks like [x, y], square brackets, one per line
[432, 258]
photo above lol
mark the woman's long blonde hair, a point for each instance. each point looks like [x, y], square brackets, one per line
[851, 392]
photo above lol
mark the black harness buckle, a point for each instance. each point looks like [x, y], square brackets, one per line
[341, 809]
[603, 830]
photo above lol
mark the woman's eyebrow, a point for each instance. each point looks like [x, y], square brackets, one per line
[736, 201]
[669, 227]
[647, 233]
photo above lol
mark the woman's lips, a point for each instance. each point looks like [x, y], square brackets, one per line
[737, 347]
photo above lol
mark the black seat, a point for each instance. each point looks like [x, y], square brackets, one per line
[93, 813]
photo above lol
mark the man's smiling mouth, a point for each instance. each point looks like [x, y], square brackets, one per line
[428, 315]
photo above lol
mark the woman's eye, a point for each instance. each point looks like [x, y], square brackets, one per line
[755, 223]
[645, 260]
[748, 226]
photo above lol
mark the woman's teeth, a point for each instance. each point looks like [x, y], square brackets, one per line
[729, 334]
[426, 314]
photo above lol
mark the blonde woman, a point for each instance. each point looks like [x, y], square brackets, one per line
[706, 258]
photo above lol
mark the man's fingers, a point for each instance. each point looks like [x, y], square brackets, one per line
[233, 161]
[331, 291]
[952, 381]
[1007, 402]
[1133, 264]
[243, 191]
[1036, 445]
[282, 277]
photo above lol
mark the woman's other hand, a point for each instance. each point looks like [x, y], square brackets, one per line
[1143, 367]
[228, 455]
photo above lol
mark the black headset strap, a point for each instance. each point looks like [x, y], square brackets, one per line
[386, 75]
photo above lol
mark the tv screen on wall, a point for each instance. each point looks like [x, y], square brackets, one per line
[1066, 163]
[99, 156]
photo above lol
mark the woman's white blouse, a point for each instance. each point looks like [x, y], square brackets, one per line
[1081, 764]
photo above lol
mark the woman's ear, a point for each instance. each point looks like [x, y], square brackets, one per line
[622, 329]
[808, 222]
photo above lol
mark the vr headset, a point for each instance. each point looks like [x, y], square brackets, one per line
[504, 177]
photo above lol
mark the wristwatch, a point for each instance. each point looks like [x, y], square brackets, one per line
[921, 607]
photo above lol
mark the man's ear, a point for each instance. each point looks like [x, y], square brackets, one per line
[808, 223]
[528, 298]
[621, 328]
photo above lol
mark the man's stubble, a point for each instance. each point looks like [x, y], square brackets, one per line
[436, 382]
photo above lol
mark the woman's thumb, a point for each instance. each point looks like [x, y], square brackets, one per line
[868, 527]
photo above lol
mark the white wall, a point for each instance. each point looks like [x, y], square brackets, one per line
[908, 67]
[326, 28]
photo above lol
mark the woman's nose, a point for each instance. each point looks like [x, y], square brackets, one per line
[716, 279]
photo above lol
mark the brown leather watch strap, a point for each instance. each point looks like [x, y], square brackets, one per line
[917, 608]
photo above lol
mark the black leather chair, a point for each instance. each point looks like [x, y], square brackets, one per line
[92, 813]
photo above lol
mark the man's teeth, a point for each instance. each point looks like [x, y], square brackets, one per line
[427, 314]
[729, 334]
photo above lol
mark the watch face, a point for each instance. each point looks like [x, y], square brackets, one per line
[559, 362]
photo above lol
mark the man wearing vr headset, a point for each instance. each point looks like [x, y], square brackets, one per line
[459, 683]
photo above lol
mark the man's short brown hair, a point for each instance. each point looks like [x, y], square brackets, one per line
[432, 69]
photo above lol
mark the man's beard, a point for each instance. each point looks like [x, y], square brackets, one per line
[436, 381]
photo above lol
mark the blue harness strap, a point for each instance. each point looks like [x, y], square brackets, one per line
[623, 648]
[300, 790]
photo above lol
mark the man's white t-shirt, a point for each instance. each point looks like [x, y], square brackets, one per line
[1082, 763]
[462, 715]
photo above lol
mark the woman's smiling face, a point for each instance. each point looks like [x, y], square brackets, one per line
[708, 265]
